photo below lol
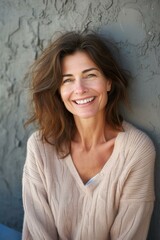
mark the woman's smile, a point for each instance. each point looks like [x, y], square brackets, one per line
[84, 101]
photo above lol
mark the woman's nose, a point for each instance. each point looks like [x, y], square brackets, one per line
[80, 87]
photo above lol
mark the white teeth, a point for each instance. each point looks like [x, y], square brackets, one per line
[83, 101]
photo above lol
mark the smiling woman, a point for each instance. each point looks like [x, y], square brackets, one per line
[47, 78]
[88, 173]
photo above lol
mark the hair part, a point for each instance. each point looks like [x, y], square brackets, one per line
[55, 122]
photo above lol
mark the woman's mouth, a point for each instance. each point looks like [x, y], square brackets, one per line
[84, 101]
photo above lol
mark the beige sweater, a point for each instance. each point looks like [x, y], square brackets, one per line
[116, 205]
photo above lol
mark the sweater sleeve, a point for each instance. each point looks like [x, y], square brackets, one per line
[38, 219]
[137, 192]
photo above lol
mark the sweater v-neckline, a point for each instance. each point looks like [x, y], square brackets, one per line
[102, 172]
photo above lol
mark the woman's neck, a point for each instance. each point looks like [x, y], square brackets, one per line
[90, 132]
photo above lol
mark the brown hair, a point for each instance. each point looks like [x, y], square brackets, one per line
[55, 122]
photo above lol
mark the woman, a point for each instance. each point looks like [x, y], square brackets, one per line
[88, 173]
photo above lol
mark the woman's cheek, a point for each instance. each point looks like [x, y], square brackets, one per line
[65, 93]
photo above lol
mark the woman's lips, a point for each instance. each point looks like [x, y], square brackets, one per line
[84, 101]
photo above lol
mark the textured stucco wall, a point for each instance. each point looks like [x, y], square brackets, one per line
[25, 27]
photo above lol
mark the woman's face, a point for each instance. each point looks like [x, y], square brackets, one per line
[84, 87]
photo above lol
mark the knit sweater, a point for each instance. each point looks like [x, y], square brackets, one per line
[116, 205]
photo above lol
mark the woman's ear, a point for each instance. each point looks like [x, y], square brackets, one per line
[109, 85]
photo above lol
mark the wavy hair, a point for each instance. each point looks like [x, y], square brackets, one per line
[55, 122]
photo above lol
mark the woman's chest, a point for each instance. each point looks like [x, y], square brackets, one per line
[80, 209]
[84, 214]
[90, 163]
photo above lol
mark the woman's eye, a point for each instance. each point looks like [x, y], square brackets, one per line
[91, 75]
[67, 80]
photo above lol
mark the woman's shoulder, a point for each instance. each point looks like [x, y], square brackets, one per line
[40, 152]
[37, 142]
[34, 139]
[35, 136]
[136, 138]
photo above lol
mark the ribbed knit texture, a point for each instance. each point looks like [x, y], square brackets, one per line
[117, 205]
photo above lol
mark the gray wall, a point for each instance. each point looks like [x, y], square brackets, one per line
[25, 27]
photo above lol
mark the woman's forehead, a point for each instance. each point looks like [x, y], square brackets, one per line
[78, 61]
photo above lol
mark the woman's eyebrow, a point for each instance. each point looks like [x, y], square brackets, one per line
[90, 69]
[84, 71]
[67, 75]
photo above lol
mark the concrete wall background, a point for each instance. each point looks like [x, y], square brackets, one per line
[25, 27]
